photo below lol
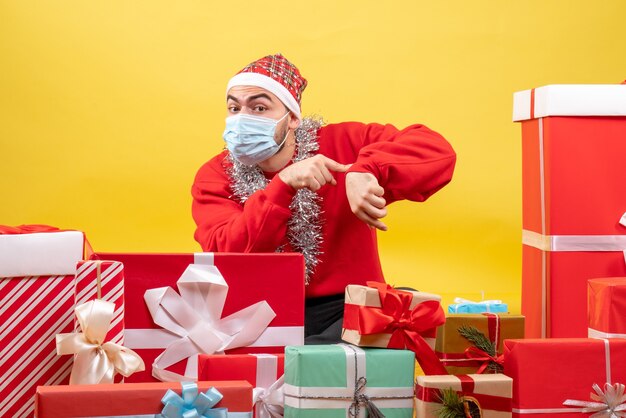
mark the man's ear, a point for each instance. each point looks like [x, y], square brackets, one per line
[293, 121]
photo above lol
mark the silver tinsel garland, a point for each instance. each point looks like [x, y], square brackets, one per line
[304, 229]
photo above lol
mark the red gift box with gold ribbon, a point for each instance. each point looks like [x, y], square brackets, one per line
[377, 315]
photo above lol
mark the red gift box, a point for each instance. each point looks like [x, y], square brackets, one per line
[277, 279]
[548, 372]
[607, 307]
[572, 193]
[103, 280]
[261, 370]
[131, 399]
[33, 309]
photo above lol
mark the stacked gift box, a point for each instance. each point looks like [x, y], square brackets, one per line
[574, 233]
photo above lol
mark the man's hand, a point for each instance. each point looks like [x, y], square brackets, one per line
[366, 200]
[312, 173]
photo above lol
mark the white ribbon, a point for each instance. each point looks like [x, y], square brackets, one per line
[96, 361]
[268, 397]
[594, 333]
[195, 316]
[607, 403]
[269, 402]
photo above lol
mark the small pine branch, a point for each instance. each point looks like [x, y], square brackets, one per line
[477, 338]
[452, 404]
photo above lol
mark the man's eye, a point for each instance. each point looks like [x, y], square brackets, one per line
[260, 108]
[233, 109]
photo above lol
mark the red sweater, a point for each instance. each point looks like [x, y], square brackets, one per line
[412, 164]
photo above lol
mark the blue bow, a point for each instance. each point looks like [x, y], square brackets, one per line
[193, 404]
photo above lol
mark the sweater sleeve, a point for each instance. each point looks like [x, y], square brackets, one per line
[412, 163]
[225, 225]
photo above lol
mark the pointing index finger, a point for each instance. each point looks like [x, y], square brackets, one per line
[335, 166]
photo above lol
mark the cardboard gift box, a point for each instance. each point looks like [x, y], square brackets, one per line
[243, 281]
[491, 394]
[573, 200]
[548, 372]
[377, 315]
[459, 355]
[607, 307]
[262, 371]
[134, 399]
[35, 305]
[336, 380]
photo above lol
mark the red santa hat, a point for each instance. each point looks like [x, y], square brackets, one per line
[277, 75]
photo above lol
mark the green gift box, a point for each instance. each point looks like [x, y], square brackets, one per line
[339, 381]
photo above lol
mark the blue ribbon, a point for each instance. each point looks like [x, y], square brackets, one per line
[193, 404]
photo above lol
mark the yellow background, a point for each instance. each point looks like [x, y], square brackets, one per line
[108, 108]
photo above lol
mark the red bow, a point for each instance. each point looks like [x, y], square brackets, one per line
[406, 325]
[477, 354]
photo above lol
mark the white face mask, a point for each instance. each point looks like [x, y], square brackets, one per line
[250, 139]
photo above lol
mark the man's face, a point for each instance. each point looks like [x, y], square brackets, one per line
[256, 101]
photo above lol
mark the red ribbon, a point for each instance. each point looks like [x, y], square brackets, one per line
[26, 229]
[487, 402]
[476, 354]
[407, 326]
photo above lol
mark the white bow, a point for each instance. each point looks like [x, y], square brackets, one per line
[269, 402]
[610, 403]
[195, 316]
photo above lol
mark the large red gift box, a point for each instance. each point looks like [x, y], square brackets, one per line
[607, 307]
[573, 199]
[34, 307]
[261, 370]
[277, 279]
[131, 399]
[548, 372]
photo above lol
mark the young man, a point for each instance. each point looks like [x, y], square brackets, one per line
[291, 184]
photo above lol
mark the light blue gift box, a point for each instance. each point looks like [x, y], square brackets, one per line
[468, 306]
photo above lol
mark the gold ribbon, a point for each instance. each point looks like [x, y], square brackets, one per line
[610, 403]
[95, 361]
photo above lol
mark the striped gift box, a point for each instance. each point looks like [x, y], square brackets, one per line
[32, 311]
[104, 280]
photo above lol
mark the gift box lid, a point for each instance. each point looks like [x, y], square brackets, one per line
[52, 253]
[570, 100]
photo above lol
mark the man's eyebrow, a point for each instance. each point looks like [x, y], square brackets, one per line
[260, 96]
[250, 98]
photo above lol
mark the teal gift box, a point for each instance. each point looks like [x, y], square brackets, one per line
[339, 381]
